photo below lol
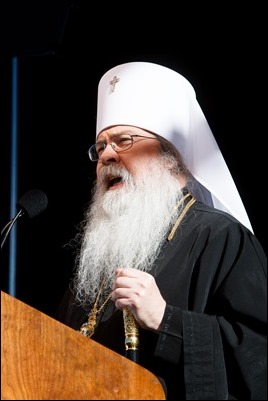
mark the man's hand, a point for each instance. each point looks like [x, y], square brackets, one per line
[138, 291]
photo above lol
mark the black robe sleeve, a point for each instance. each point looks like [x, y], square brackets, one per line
[219, 330]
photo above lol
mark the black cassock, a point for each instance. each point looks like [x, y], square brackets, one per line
[212, 343]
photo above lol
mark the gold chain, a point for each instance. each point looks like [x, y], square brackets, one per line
[88, 328]
[181, 200]
[181, 216]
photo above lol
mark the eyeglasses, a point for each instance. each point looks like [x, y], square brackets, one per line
[119, 143]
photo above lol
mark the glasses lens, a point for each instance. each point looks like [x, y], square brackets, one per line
[93, 155]
[118, 143]
[122, 142]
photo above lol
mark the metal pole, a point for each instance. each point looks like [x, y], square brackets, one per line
[13, 178]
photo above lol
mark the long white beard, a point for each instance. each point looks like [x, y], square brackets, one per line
[125, 227]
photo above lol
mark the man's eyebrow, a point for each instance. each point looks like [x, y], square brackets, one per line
[125, 131]
[130, 132]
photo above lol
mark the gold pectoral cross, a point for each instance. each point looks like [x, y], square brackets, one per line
[88, 328]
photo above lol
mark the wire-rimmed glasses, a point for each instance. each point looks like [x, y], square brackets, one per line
[119, 143]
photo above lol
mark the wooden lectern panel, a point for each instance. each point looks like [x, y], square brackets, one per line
[43, 359]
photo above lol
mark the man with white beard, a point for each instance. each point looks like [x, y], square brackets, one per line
[167, 243]
[143, 202]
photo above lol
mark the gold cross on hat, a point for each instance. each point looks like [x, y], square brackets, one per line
[113, 82]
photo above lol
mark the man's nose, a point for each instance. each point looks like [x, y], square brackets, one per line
[109, 155]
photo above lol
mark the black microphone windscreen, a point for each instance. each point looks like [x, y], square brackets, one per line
[33, 202]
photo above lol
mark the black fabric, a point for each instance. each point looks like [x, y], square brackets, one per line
[212, 341]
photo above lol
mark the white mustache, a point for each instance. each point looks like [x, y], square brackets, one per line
[115, 171]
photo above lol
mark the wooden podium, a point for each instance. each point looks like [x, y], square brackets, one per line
[43, 359]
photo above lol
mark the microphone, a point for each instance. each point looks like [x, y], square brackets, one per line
[30, 205]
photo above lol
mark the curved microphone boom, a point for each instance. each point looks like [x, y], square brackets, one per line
[30, 205]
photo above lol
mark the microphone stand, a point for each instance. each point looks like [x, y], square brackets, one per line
[9, 226]
[131, 336]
